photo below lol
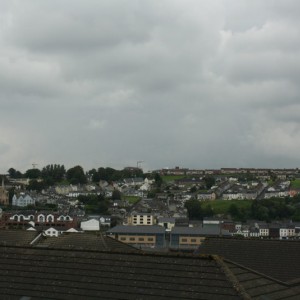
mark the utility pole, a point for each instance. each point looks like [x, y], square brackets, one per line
[34, 165]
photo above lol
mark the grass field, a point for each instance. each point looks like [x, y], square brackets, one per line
[132, 199]
[169, 178]
[221, 206]
[295, 184]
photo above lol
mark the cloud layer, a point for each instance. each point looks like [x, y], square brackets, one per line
[202, 84]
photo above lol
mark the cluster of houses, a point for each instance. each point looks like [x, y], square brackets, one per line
[147, 230]
[229, 171]
[143, 230]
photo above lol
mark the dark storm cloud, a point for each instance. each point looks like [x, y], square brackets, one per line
[190, 83]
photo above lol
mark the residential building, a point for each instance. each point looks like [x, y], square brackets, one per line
[23, 200]
[90, 225]
[264, 230]
[141, 219]
[206, 195]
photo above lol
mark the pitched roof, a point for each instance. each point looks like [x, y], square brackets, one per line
[258, 286]
[71, 274]
[206, 230]
[274, 258]
[142, 229]
[17, 237]
[84, 241]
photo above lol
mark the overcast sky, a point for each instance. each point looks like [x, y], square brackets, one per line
[190, 83]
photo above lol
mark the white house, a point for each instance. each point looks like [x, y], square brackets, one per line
[52, 232]
[90, 225]
[22, 201]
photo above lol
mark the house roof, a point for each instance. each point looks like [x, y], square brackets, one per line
[70, 274]
[91, 266]
[258, 286]
[84, 241]
[275, 258]
[17, 237]
[151, 229]
[207, 230]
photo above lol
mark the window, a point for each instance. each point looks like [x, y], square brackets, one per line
[123, 238]
[141, 239]
[193, 240]
[132, 239]
[184, 240]
[150, 239]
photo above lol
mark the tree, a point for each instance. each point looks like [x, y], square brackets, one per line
[158, 180]
[234, 211]
[32, 173]
[76, 175]
[13, 173]
[116, 195]
[53, 173]
[209, 181]
[35, 185]
[194, 209]
[193, 189]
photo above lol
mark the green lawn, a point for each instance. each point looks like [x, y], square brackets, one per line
[295, 184]
[168, 178]
[132, 199]
[221, 206]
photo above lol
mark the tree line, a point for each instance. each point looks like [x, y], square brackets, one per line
[55, 173]
[264, 210]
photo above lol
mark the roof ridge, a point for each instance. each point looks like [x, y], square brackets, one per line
[293, 282]
[232, 278]
[117, 251]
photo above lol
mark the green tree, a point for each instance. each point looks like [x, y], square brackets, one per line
[195, 211]
[35, 185]
[76, 175]
[209, 181]
[158, 180]
[13, 173]
[53, 173]
[32, 173]
[116, 195]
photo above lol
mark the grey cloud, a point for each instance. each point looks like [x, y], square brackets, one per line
[190, 83]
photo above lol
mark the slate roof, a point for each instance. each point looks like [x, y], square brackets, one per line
[84, 241]
[278, 259]
[206, 230]
[17, 237]
[260, 287]
[41, 273]
[140, 229]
